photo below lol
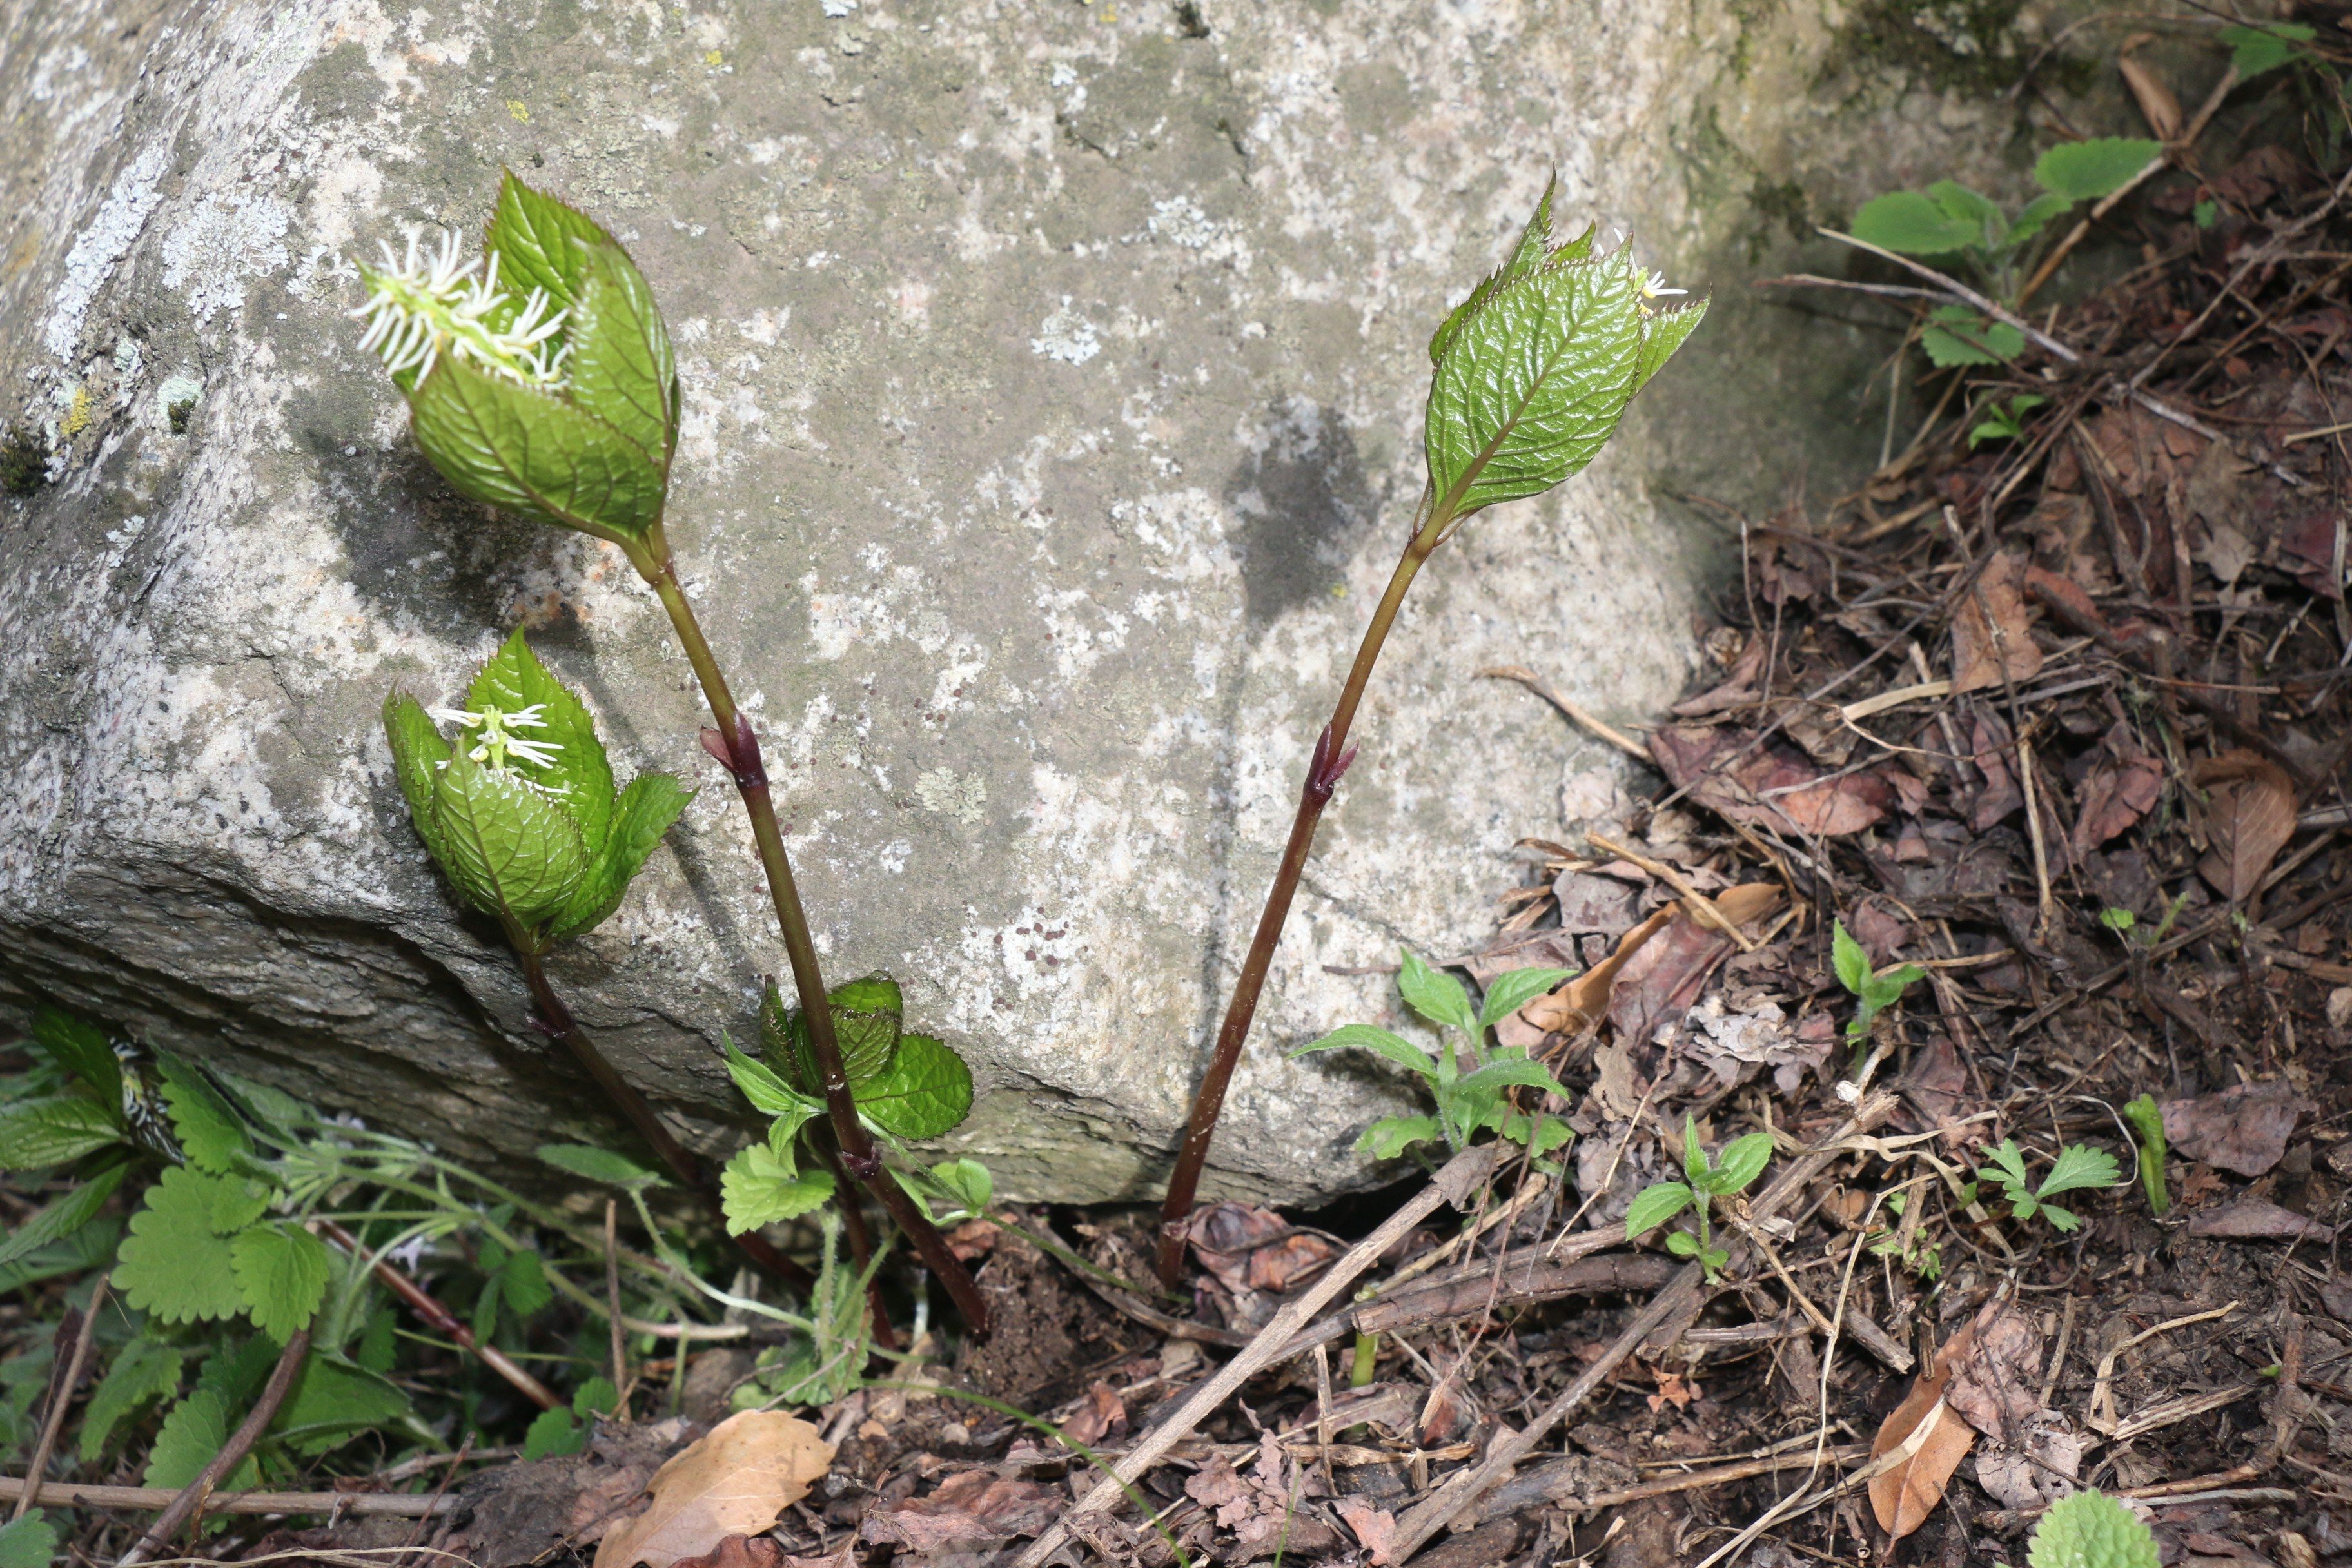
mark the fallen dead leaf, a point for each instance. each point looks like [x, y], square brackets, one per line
[1100, 1415]
[1375, 1529]
[2041, 1469]
[2249, 817]
[1663, 979]
[1931, 1440]
[1992, 1384]
[2244, 1129]
[2156, 104]
[1251, 1249]
[734, 1480]
[1772, 784]
[2000, 794]
[1991, 644]
[976, 1505]
[2252, 1220]
[739, 1551]
[2121, 788]
[1585, 998]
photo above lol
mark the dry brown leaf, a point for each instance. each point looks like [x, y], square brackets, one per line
[1585, 998]
[739, 1551]
[2156, 104]
[1101, 1414]
[2252, 1220]
[1932, 1441]
[2121, 788]
[1375, 1529]
[1993, 1385]
[1773, 784]
[1990, 642]
[2244, 1129]
[2249, 817]
[1663, 979]
[977, 1505]
[732, 1481]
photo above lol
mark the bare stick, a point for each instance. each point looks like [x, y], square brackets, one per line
[232, 1453]
[1591, 721]
[397, 1505]
[1683, 1294]
[55, 1419]
[1702, 908]
[613, 1295]
[438, 1318]
[1453, 1184]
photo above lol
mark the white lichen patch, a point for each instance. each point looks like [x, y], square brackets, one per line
[217, 249]
[964, 799]
[97, 248]
[1065, 335]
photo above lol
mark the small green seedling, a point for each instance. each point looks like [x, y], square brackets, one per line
[2148, 1121]
[1875, 992]
[1951, 223]
[2126, 925]
[1726, 1175]
[2079, 1167]
[1470, 1098]
[2005, 421]
[905, 1085]
[2254, 50]
[2091, 1529]
[1918, 1255]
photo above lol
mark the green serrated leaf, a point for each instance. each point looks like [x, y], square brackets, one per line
[643, 814]
[967, 1181]
[1663, 331]
[866, 1017]
[282, 1270]
[596, 1396]
[1742, 1161]
[418, 752]
[1958, 336]
[29, 1542]
[1849, 958]
[209, 1131]
[1534, 382]
[144, 1369]
[334, 1400]
[1393, 1135]
[553, 1434]
[598, 1165]
[1914, 224]
[75, 1252]
[769, 1094]
[1654, 1206]
[580, 777]
[622, 367]
[540, 242]
[61, 1218]
[1965, 206]
[193, 1433]
[2090, 1529]
[2037, 217]
[237, 1202]
[2146, 1120]
[2008, 1165]
[173, 1266]
[2085, 171]
[534, 454]
[2254, 50]
[2079, 1165]
[757, 1189]
[37, 1133]
[1535, 241]
[926, 1092]
[511, 851]
[1364, 1037]
[1694, 1162]
[1437, 996]
[83, 1049]
[1514, 989]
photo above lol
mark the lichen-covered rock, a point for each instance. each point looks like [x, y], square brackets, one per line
[1053, 375]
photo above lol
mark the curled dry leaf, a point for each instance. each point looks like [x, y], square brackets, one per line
[1991, 644]
[2252, 1220]
[1100, 1415]
[1664, 979]
[2041, 1469]
[1375, 1529]
[1926, 1440]
[732, 1481]
[2244, 1129]
[739, 1551]
[1992, 1384]
[1773, 784]
[977, 1505]
[1585, 998]
[2249, 817]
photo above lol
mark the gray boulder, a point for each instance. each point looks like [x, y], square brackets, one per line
[1053, 376]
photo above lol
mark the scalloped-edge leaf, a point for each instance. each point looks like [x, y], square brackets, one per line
[645, 811]
[513, 851]
[757, 1189]
[926, 1092]
[282, 1269]
[172, 1266]
[1435, 994]
[81, 1048]
[210, 1132]
[2091, 1529]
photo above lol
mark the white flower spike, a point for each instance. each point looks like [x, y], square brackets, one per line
[419, 306]
[497, 741]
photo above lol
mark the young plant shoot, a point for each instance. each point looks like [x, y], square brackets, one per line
[1531, 376]
[1469, 1093]
[540, 380]
[1873, 992]
[2079, 1167]
[1726, 1175]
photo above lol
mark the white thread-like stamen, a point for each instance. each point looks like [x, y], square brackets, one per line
[420, 306]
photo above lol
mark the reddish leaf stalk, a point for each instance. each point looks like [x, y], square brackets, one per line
[736, 746]
[557, 1020]
[1332, 755]
[439, 1319]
